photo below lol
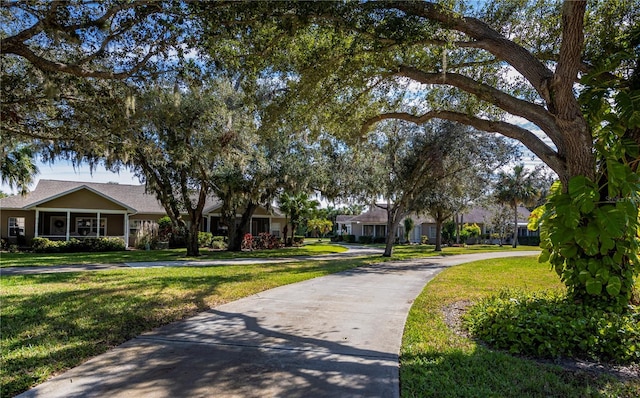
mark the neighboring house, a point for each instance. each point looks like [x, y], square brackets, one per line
[374, 223]
[61, 210]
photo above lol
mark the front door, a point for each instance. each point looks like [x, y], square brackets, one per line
[58, 226]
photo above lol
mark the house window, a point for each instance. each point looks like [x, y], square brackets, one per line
[432, 232]
[89, 226]
[136, 225]
[16, 227]
[275, 229]
[367, 230]
[259, 225]
[380, 230]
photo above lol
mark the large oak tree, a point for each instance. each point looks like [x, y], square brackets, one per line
[353, 64]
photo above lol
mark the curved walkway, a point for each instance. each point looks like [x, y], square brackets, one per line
[333, 336]
[353, 251]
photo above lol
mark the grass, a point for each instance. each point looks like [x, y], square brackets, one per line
[129, 256]
[436, 362]
[52, 322]
[405, 252]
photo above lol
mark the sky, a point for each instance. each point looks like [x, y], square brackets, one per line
[63, 170]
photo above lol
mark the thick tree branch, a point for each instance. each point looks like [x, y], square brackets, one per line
[486, 38]
[569, 59]
[530, 140]
[515, 106]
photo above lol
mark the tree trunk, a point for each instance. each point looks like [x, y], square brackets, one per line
[439, 222]
[515, 226]
[240, 229]
[193, 248]
[392, 226]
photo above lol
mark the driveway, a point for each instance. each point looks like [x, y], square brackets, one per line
[333, 336]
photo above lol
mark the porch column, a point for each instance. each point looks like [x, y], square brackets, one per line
[68, 224]
[98, 229]
[209, 223]
[126, 230]
[37, 222]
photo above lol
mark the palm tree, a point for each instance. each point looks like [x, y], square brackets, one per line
[513, 189]
[296, 206]
[18, 168]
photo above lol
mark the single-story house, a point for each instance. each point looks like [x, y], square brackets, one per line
[61, 210]
[374, 223]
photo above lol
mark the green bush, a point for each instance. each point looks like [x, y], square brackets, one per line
[529, 240]
[205, 239]
[365, 239]
[549, 325]
[298, 240]
[382, 239]
[44, 245]
[349, 238]
[424, 239]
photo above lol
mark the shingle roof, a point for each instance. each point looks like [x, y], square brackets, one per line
[132, 196]
[477, 215]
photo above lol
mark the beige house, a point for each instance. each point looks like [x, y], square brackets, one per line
[61, 210]
[374, 223]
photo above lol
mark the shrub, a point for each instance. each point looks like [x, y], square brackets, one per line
[424, 239]
[165, 228]
[298, 240]
[337, 238]
[247, 242]
[44, 245]
[529, 240]
[350, 238]
[13, 248]
[266, 241]
[382, 239]
[205, 239]
[146, 236]
[219, 245]
[549, 325]
[365, 239]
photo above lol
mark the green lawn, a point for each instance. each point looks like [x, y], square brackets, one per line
[129, 256]
[405, 252]
[52, 322]
[436, 362]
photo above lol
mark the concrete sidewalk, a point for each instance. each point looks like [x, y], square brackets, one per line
[352, 251]
[334, 336]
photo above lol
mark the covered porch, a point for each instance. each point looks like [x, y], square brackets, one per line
[64, 224]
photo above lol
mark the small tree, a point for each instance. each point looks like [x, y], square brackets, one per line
[408, 227]
[519, 187]
[320, 226]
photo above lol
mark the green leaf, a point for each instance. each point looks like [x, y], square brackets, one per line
[587, 239]
[569, 251]
[584, 193]
[584, 276]
[612, 220]
[603, 275]
[606, 244]
[544, 256]
[594, 287]
[594, 266]
[613, 286]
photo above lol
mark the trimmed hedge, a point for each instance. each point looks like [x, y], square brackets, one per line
[349, 238]
[550, 325]
[529, 240]
[44, 245]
